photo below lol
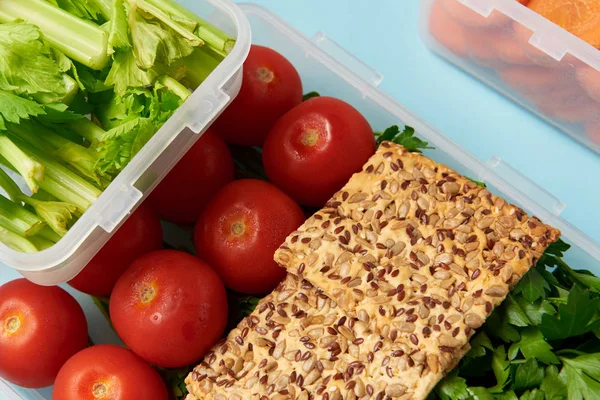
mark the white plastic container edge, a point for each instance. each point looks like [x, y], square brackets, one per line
[64, 260]
[546, 36]
[505, 180]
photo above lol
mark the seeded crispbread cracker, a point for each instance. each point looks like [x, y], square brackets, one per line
[299, 343]
[409, 225]
[416, 251]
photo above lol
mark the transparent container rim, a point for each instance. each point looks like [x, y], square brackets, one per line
[442, 143]
[52, 257]
[555, 41]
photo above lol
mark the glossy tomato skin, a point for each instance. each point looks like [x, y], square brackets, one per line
[40, 329]
[313, 150]
[169, 307]
[240, 230]
[140, 234]
[112, 370]
[271, 86]
[185, 191]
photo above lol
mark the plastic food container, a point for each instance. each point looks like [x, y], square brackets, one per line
[523, 55]
[67, 258]
[330, 70]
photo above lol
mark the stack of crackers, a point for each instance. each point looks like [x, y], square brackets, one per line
[386, 286]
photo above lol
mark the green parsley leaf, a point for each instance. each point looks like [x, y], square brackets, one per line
[557, 248]
[497, 326]
[479, 393]
[528, 375]
[514, 313]
[310, 95]
[452, 387]
[406, 138]
[582, 377]
[532, 286]
[479, 344]
[535, 311]
[578, 316]
[478, 183]
[14, 108]
[510, 395]
[588, 279]
[500, 365]
[533, 345]
[534, 394]
[553, 385]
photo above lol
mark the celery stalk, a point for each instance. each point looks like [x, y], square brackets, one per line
[17, 219]
[56, 214]
[87, 129]
[9, 186]
[174, 86]
[82, 159]
[16, 242]
[61, 182]
[41, 243]
[214, 37]
[78, 39]
[48, 234]
[31, 170]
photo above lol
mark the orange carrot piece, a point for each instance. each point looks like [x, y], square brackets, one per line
[589, 79]
[532, 79]
[592, 130]
[467, 17]
[446, 31]
[575, 113]
[580, 17]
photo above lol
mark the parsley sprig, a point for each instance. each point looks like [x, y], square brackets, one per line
[405, 138]
[542, 343]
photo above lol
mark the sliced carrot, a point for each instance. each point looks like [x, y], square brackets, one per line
[574, 113]
[446, 31]
[567, 96]
[592, 130]
[480, 47]
[467, 17]
[589, 79]
[580, 17]
[532, 79]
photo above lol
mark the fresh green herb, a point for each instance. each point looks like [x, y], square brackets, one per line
[310, 95]
[130, 64]
[478, 183]
[405, 138]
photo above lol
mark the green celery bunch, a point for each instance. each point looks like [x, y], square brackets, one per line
[84, 85]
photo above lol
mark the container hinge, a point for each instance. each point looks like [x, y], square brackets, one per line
[525, 185]
[347, 59]
[124, 200]
[484, 8]
[207, 110]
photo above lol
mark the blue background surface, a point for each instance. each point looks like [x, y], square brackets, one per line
[385, 35]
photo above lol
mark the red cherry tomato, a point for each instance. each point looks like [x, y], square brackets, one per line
[240, 230]
[140, 234]
[271, 87]
[108, 372]
[186, 190]
[169, 307]
[41, 327]
[315, 148]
